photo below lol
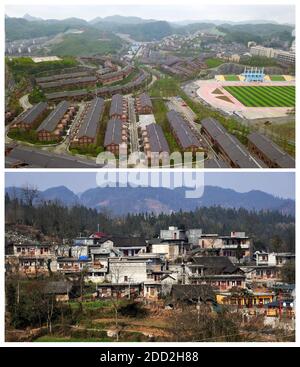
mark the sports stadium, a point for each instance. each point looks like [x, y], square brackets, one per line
[251, 95]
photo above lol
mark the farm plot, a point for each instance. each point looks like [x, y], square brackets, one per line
[263, 96]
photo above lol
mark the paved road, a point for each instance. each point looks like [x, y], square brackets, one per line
[38, 158]
[133, 126]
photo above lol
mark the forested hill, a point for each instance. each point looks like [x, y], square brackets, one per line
[270, 230]
[120, 201]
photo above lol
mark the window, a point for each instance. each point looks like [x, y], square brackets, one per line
[125, 278]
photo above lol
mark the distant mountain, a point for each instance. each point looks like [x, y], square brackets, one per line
[30, 18]
[119, 19]
[120, 201]
[20, 28]
[61, 194]
[144, 29]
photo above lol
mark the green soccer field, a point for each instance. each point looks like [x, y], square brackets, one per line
[231, 78]
[264, 96]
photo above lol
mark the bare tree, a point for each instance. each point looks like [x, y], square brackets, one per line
[29, 194]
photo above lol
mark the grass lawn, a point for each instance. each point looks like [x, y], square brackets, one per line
[231, 78]
[277, 78]
[264, 96]
[285, 130]
[213, 62]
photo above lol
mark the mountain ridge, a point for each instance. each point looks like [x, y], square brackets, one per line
[121, 201]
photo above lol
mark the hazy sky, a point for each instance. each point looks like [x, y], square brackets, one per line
[190, 11]
[280, 184]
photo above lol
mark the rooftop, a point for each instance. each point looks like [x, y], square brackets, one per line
[30, 115]
[90, 122]
[113, 134]
[50, 123]
[271, 150]
[157, 140]
[182, 130]
[236, 152]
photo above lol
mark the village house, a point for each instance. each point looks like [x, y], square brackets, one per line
[62, 290]
[262, 273]
[119, 290]
[273, 258]
[251, 298]
[34, 258]
[218, 271]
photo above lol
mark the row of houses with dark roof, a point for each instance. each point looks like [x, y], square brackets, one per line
[115, 76]
[105, 92]
[116, 136]
[30, 118]
[86, 131]
[144, 104]
[56, 122]
[183, 133]
[81, 82]
[269, 152]
[52, 78]
[228, 146]
[156, 147]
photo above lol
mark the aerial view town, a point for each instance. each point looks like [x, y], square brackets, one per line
[89, 92]
[149, 176]
[86, 263]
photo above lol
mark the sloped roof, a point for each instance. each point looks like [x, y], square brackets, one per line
[215, 264]
[182, 130]
[113, 134]
[116, 107]
[59, 287]
[204, 292]
[230, 144]
[51, 121]
[157, 140]
[29, 116]
[90, 123]
[271, 150]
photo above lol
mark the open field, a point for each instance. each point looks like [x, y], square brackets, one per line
[232, 78]
[263, 96]
[277, 78]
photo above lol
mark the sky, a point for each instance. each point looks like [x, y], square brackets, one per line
[281, 184]
[278, 13]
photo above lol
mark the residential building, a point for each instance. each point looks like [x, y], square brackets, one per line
[53, 126]
[144, 104]
[28, 119]
[268, 152]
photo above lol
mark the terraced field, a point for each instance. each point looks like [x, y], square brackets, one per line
[264, 96]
